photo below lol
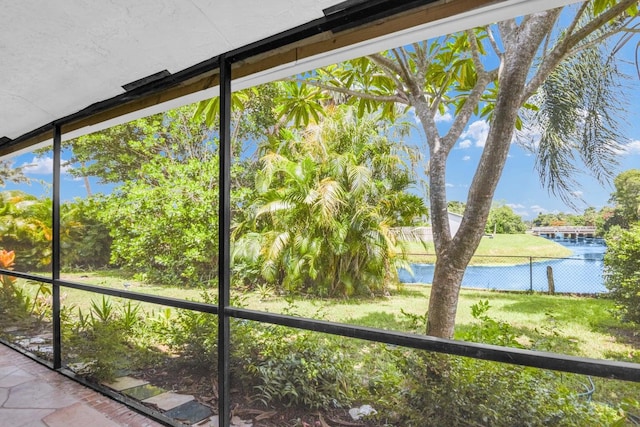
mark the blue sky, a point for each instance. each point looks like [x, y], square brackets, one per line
[519, 186]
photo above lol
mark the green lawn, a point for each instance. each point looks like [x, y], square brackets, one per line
[500, 245]
[563, 324]
[575, 325]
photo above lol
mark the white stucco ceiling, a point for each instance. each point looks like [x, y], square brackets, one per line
[59, 57]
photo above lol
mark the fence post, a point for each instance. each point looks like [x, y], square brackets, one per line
[530, 274]
[552, 285]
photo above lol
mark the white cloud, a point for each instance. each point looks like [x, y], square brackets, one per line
[41, 166]
[538, 209]
[465, 143]
[519, 209]
[577, 194]
[515, 206]
[477, 132]
[439, 118]
[466, 158]
[443, 118]
[448, 184]
[631, 148]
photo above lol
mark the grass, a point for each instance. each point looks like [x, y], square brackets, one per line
[500, 245]
[584, 326]
[563, 324]
[577, 325]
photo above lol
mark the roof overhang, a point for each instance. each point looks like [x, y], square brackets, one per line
[86, 67]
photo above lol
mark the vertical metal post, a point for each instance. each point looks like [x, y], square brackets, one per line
[224, 224]
[55, 249]
[531, 274]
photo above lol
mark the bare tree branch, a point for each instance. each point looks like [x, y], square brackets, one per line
[492, 42]
[421, 61]
[560, 52]
[576, 19]
[600, 39]
[475, 53]
[390, 69]
[350, 92]
[385, 62]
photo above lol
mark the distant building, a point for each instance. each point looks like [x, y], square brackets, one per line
[425, 234]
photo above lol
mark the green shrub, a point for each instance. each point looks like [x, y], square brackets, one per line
[165, 226]
[295, 368]
[193, 334]
[84, 241]
[107, 339]
[622, 264]
[442, 390]
[437, 390]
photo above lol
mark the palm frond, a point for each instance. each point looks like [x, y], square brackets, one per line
[578, 120]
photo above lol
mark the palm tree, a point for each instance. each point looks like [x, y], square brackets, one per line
[327, 198]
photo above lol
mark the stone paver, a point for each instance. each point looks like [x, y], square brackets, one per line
[32, 395]
[169, 400]
[191, 412]
[143, 392]
[124, 383]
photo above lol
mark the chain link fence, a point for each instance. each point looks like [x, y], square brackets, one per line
[582, 274]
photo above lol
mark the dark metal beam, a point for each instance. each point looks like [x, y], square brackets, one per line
[224, 242]
[55, 250]
[515, 356]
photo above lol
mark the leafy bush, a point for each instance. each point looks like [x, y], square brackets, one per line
[25, 227]
[442, 390]
[85, 241]
[622, 264]
[165, 225]
[107, 339]
[194, 335]
[294, 368]
[435, 390]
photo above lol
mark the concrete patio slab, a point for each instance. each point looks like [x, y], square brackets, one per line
[78, 415]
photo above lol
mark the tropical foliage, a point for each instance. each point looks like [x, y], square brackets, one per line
[327, 198]
[25, 228]
[622, 262]
[503, 220]
[498, 72]
[627, 196]
[164, 226]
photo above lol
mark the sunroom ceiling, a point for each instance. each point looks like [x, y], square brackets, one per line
[60, 58]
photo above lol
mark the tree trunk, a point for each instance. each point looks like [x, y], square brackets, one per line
[443, 302]
[455, 252]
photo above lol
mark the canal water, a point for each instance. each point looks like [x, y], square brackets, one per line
[581, 273]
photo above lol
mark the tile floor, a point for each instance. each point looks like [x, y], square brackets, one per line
[32, 395]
